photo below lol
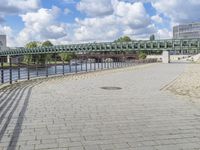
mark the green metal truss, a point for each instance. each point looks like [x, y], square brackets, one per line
[143, 45]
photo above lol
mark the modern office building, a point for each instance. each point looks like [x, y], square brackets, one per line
[2, 42]
[187, 31]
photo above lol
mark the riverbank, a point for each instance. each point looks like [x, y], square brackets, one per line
[78, 75]
[188, 83]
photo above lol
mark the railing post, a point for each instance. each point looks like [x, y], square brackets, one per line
[37, 61]
[18, 68]
[2, 71]
[86, 65]
[107, 63]
[98, 62]
[55, 63]
[46, 66]
[102, 63]
[90, 64]
[63, 67]
[10, 68]
[81, 64]
[75, 65]
[70, 67]
[28, 71]
[94, 64]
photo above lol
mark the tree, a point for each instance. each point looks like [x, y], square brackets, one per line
[47, 57]
[142, 55]
[124, 39]
[39, 58]
[152, 37]
[66, 56]
[47, 44]
[32, 44]
[28, 58]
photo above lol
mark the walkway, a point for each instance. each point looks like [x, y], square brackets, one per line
[74, 113]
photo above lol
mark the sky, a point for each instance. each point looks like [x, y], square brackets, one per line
[80, 21]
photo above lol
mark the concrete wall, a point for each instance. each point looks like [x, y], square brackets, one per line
[172, 57]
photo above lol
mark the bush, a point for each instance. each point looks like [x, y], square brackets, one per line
[142, 55]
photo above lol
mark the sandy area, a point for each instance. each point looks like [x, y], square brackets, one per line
[188, 83]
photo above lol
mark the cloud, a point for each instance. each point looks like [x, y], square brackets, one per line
[164, 33]
[91, 29]
[95, 8]
[178, 11]
[41, 25]
[6, 30]
[157, 19]
[133, 15]
[17, 6]
[127, 19]
[104, 20]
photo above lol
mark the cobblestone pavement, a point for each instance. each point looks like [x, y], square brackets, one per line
[74, 113]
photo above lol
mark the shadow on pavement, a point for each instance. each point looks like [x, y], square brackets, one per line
[14, 100]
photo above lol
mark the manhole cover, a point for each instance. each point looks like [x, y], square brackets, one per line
[111, 88]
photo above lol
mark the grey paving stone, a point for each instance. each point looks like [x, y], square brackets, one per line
[75, 113]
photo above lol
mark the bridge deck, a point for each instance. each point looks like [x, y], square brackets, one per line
[75, 113]
[144, 45]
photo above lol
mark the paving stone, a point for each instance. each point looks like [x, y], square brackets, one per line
[74, 113]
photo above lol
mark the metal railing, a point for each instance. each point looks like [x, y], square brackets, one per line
[16, 72]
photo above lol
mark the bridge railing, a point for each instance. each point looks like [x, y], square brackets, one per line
[15, 71]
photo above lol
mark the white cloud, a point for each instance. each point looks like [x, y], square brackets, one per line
[41, 25]
[105, 20]
[6, 30]
[17, 6]
[133, 15]
[157, 19]
[178, 11]
[91, 29]
[164, 34]
[95, 8]
[127, 19]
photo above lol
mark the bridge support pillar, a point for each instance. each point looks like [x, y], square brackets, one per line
[166, 57]
[8, 59]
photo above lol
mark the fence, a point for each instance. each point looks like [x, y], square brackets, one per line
[16, 72]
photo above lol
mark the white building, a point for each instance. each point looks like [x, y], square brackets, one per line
[3, 42]
[187, 31]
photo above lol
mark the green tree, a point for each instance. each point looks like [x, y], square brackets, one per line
[29, 58]
[66, 56]
[46, 57]
[32, 44]
[47, 44]
[142, 55]
[124, 39]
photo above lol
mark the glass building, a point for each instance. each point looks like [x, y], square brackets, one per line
[186, 31]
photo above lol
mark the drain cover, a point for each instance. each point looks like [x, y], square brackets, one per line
[111, 88]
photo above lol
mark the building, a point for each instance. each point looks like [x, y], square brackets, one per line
[2, 42]
[186, 31]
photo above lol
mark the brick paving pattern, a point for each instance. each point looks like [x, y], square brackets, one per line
[74, 113]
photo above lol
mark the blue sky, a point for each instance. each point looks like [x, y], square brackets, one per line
[78, 21]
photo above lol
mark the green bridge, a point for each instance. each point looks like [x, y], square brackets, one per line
[179, 46]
